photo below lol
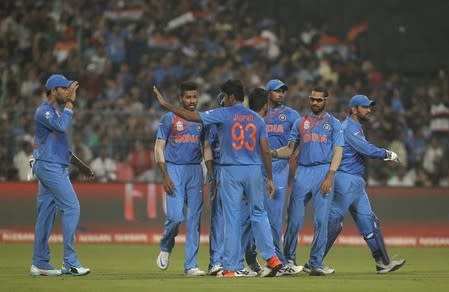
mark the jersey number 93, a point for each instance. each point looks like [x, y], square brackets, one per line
[243, 136]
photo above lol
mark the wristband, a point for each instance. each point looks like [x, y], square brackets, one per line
[209, 178]
[72, 102]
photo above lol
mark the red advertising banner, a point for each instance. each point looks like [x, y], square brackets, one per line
[136, 213]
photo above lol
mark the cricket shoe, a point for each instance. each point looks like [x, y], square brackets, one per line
[394, 265]
[75, 271]
[35, 271]
[326, 270]
[214, 269]
[163, 260]
[289, 269]
[194, 272]
[255, 267]
[272, 268]
[235, 274]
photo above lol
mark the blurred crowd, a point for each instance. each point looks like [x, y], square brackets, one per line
[118, 49]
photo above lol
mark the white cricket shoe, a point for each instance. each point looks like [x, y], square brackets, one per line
[394, 265]
[234, 274]
[35, 271]
[214, 269]
[325, 270]
[289, 269]
[75, 271]
[194, 272]
[163, 260]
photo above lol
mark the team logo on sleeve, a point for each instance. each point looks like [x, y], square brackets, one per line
[47, 115]
[179, 126]
[282, 117]
[306, 125]
[327, 127]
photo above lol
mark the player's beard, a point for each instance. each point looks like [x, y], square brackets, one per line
[61, 100]
[316, 109]
[364, 118]
[190, 107]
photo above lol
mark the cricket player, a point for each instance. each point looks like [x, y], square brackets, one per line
[178, 153]
[279, 121]
[51, 160]
[350, 193]
[216, 234]
[244, 151]
[321, 140]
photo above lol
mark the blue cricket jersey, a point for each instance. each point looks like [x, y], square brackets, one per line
[183, 139]
[279, 122]
[317, 137]
[50, 142]
[357, 148]
[240, 131]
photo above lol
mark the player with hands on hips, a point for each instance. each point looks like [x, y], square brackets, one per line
[321, 140]
[350, 193]
[51, 160]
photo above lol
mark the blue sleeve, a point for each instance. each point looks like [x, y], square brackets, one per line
[337, 134]
[362, 146]
[163, 132]
[263, 129]
[51, 120]
[295, 115]
[214, 116]
[295, 134]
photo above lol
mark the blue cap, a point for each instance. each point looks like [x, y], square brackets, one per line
[361, 100]
[220, 99]
[275, 84]
[57, 80]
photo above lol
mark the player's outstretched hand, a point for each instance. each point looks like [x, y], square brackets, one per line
[159, 96]
[392, 156]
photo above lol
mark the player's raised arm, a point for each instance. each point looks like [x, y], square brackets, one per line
[183, 113]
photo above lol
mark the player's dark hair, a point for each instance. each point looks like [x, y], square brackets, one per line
[321, 89]
[234, 87]
[186, 86]
[257, 99]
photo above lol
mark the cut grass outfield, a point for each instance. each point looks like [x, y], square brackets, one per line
[133, 268]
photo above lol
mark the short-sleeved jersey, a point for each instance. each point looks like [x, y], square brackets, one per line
[51, 142]
[357, 148]
[317, 137]
[183, 139]
[212, 138]
[279, 122]
[240, 131]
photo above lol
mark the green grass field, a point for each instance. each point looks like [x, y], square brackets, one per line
[133, 268]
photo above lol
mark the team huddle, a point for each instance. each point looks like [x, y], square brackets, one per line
[246, 152]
